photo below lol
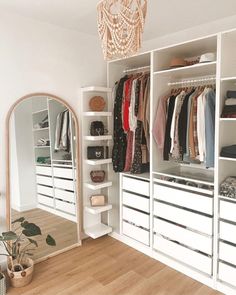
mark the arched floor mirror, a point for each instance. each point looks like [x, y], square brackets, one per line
[42, 181]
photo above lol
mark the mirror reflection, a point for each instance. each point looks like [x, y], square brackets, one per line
[43, 170]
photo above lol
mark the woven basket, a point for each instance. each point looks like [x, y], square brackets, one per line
[3, 285]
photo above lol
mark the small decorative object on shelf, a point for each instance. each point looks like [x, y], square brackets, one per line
[97, 152]
[97, 128]
[97, 104]
[97, 175]
[120, 26]
[97, 200]
[19, 245]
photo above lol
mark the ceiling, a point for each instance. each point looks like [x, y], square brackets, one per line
[164, 17]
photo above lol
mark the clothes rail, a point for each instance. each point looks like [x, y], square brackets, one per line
[193, 81]
[136, 69]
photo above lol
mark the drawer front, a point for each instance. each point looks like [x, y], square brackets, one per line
[227, 273]
[192, 220]
[227, 253]
[63, 172]
[228, 232]
[64, 195]
[44, 170]
[66, 207]
[136, 202]
[183, 236]
[63, 183]
[135, 185]
[45, 201]
[228, 211]
[136, 233]
[138, 218]
[45, 190]
[44, 180]
[196, 260]
[185, 199]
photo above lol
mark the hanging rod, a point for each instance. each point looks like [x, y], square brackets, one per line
[136, 69]
[192, 81]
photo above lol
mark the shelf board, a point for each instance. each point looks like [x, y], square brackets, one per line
[227, 199]
[227, 159]
[41, 111]
[96, 186]
[98, 138]
[97, 114]
[144, 176]
[228, 119]
[41, 129]
[98, 210]
[228, 79]
[41, 147]
[97, 89]
[98, 230]
[98, 162]
[202, 69]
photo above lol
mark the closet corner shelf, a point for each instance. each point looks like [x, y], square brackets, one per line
[96, 186]
[41, 129]
[98, 210]
[96, 89]
[41, 111]
[98, 162]
[98, 230]
[227, 159]
[97, 138]
[97, 114]
[188, 71]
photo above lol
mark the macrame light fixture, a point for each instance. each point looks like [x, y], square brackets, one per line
[120, 26]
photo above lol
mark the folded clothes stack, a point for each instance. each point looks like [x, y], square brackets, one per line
[229, 110]
[229, 151]
[228, 187]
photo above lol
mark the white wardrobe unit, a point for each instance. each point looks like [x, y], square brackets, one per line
[55, 181]
[190, 228]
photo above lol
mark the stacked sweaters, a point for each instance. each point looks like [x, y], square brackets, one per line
[131, 124]
[229, 110]
[184, 127]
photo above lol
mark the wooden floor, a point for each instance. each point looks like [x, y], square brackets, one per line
[108, 267]
[63, 231]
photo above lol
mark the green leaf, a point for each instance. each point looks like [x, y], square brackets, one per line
[33, 242]
[23, 224]
[50, 241]
[8, 236]
[21, 219]
[31, 230]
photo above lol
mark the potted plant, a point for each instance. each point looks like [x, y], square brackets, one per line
[19, 246]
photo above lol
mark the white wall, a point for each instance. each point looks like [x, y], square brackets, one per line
[38, 57]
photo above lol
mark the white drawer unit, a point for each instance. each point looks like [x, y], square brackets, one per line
[228, 232]
[136, 233]
[138, 218]
[64, 184]
[183, 254]
[45, 190]
[45, 180]
[185, 199]
[227, 253]
[228, 210]
[136, 201]
[63, 172]
[183, 236]
[45, 201]
[44, 170]
[65, 207]
[227, 274]
[138, 186]
[64, 195]
[189, 219]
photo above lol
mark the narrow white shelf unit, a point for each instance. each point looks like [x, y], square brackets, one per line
[98, 138]
[98, 162]
[98, 230]
[97, 186]
[97, 114]
[98, 210]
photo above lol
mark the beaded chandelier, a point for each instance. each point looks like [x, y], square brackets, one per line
[120, 26]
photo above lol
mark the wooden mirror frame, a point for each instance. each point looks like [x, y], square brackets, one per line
[8, 168]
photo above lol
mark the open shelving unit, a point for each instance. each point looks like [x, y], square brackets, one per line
[96, 219]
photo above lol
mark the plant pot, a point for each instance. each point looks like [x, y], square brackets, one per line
[23, 277]
[2, 284]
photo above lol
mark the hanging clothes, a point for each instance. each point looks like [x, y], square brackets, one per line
[62, 132]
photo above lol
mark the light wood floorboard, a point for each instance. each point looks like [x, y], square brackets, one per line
[108, 267]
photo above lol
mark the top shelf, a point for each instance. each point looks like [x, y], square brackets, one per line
[201, 69]
[97, 89]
